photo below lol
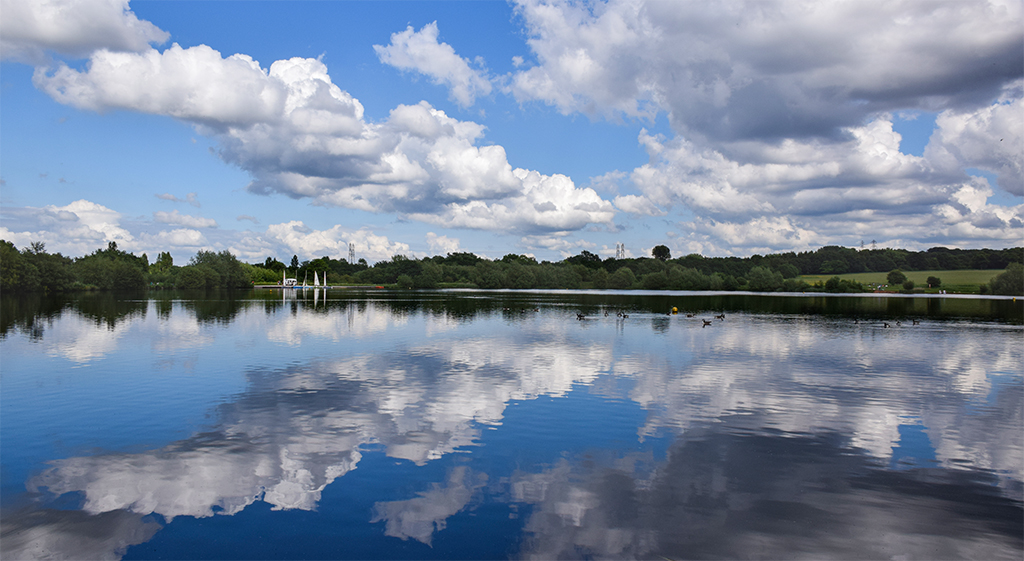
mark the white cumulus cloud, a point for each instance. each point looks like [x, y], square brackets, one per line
[77, 228]
[991, 138]
[766, 69]
[421, 52]
[299, 134]
[442, 244]
[28, 30]
[781, 112]
[306, 242]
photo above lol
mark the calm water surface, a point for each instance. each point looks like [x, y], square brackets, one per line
[493, 425]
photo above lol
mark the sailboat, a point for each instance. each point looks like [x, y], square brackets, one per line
[316, 280]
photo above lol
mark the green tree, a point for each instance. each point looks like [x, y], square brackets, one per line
[546, 276]
[112, 269]
[934, 282]
[835, 266]
[795, 285]
[661, 252]
[908, 285]
[585, 258]
[225, 270]
[896, 277]
[763, 279]
[732, 283]
[519, 276]
[646, 265]
[16, 273]
[687, 278]
[834, 284]
[568, 277]
[275, 265]
[164, 261]
[462, 258]
[404, 281]
[789, 271]
[126, 276]
[54, 270]
[191, 277]
[261, 275]
[622, 279]
[655, 281]
[521, 259]
[430, 276]
[1010, 282]
[488, 275]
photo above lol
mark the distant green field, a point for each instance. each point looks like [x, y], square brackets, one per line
[967, 280]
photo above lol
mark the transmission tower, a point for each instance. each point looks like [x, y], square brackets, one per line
[620, 250]
[351, 253]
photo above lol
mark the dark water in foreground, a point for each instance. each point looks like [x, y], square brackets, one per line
[494, 425]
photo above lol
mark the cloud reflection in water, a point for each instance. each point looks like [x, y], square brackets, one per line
[780, 431]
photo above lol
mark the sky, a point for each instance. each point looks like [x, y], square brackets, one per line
[545, 128]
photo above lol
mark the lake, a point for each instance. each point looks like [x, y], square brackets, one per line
[375, 424]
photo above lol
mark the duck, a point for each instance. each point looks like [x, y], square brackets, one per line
[707, 322]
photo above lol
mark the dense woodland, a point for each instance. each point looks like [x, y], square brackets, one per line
[33, 269]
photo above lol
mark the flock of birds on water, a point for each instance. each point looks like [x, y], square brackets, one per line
[674, 311]
[706, 322]
[580, 316]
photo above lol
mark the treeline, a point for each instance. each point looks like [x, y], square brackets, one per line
[770, 273]
[836, 260]
[33, 269]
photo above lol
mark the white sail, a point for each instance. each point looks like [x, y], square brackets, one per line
[284, 278]
[316, 279]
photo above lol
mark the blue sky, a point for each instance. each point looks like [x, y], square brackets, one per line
[531, 127]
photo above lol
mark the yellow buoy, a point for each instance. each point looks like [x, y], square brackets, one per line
[675, 310]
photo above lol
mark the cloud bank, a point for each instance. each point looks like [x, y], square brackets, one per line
[300, 135]
[780, 131]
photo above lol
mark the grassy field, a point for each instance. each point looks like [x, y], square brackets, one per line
[967, 280]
